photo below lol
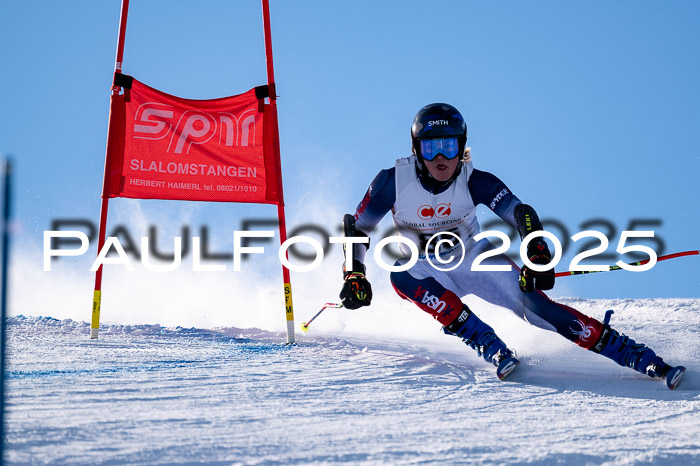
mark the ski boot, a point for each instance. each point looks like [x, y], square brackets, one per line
[660, 370]
[626, 352]
[479, 336]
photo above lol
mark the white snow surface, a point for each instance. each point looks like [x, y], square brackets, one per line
[147, 394]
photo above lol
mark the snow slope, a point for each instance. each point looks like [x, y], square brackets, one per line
[146, 394]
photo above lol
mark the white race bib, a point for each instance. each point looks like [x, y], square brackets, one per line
[419, 215]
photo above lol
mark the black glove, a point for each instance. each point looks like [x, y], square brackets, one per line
[356, 291]
[539, 254]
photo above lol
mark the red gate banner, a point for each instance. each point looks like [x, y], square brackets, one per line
[165, 147]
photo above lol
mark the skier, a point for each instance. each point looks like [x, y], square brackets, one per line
[436, 191]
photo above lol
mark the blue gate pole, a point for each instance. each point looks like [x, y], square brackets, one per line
[6, 202]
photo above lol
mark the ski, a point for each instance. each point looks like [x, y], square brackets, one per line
[506, 366]
[674, 376]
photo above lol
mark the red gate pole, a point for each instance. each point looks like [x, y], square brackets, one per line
[97, 295]
[280, 206]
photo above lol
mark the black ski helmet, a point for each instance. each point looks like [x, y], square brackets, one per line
[438, 120]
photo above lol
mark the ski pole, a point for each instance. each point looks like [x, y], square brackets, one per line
[305, 325]
[617, 267]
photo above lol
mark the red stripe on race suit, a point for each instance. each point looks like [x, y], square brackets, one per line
[444, 308]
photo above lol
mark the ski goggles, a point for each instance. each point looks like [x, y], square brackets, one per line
[431, 148]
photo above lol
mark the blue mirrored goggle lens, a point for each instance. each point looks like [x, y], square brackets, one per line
[431, 148]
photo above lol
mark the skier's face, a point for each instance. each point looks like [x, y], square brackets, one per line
[442, 168]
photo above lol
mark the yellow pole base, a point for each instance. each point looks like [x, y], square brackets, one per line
[290, 312]
[96, 303]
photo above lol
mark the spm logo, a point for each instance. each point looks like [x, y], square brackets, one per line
[426, 212]
[156, 121]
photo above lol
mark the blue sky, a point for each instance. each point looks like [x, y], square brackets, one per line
[587, 110]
